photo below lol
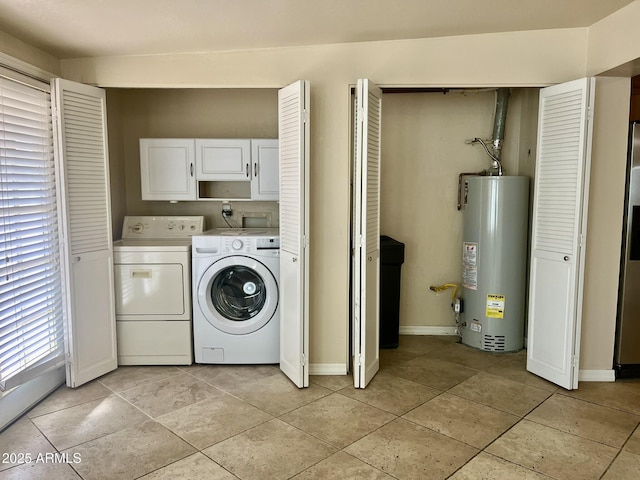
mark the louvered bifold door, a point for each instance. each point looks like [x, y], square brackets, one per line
[293, 132]
[559, 231]
[366, 256]
[82, 160]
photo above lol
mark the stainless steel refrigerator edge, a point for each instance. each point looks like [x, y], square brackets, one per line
[627, 352]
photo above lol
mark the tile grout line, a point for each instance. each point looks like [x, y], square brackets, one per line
[637, 429]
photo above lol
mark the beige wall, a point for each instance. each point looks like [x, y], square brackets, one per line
[604, 227]
[31, 56]
[183, 113]
[513, 58]
[614, 43]
[116, 165]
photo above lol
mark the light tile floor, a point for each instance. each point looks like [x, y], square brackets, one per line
[437, 409]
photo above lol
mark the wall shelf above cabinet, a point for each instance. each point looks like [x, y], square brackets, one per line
[209, 169]
[224, 190]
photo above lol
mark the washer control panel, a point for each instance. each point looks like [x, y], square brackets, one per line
[249, 244]
[162, 227]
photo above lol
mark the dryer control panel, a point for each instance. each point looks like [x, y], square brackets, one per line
[162, 227]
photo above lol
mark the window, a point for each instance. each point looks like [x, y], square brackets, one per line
[31, 311]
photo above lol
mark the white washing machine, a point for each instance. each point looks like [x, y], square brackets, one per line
[152, 273]
[236, 314]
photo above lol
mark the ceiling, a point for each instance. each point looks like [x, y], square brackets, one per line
[90, 28]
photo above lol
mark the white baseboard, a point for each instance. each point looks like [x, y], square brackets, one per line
[426, 330]
[597, 376]
[327, 369]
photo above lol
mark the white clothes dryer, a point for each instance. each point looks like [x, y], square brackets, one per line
[152, 277]
[236, 314]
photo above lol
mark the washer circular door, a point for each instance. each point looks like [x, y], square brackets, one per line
[238, 295]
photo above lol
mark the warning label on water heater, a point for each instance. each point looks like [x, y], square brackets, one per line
[470, 265]
[495, 306]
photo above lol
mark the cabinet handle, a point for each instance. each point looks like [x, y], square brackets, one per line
[246, 169]
[255, 169]
[191, 169]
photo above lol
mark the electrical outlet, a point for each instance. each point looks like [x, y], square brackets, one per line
[226, 210]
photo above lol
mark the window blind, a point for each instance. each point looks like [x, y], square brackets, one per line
[31, 311]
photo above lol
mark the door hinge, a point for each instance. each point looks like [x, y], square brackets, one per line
[359, 360]
[303, 360]
[305, 115]
[589, 113]
[305, 241]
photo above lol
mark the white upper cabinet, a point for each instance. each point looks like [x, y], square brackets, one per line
[209, 169]
[223, 159]
[167, 169]
[265, 178]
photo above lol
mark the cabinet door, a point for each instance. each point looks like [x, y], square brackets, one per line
[265, 178]
[167, 169]
[223, 159]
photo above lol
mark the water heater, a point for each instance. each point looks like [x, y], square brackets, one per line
[494, 256]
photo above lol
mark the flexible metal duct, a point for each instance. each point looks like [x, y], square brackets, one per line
[499, 124]
[502, 102]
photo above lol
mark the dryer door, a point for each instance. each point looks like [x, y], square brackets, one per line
[238, 295]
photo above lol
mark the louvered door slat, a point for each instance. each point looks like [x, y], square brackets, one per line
[558, 161]
[86, 172]
[373, 172]
[290, 174]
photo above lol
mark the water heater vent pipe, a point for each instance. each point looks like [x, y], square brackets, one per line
[500, 121]
[502, 102]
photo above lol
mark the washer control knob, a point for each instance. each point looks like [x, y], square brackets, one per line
[138, 228]
[236, 244]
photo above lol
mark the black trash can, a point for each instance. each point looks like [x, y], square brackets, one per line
[391, 260]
